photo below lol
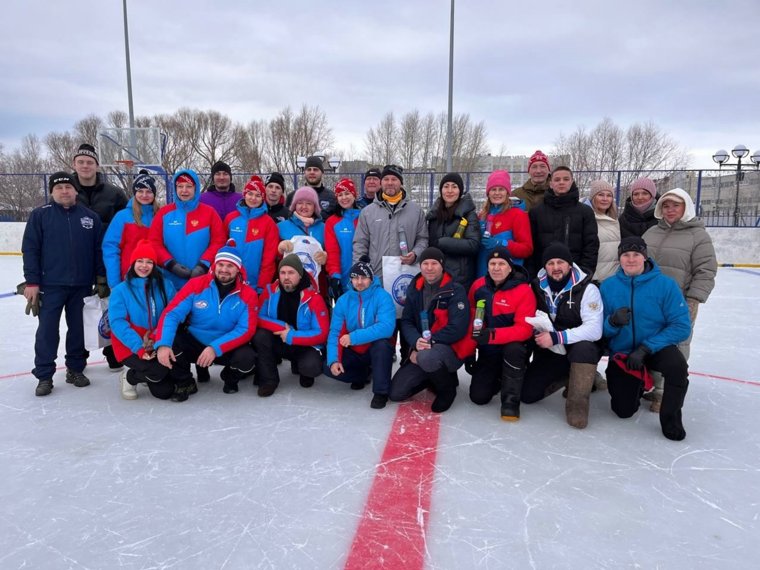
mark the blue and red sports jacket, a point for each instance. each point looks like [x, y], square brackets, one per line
[312, 321]
[121, 237]
[256, 238]
[339, 238]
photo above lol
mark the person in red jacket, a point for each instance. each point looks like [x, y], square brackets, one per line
[502, 332]
[255, 234]
[339, 237]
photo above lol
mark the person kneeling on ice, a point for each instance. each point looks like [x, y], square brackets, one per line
[210, 320]
[646, 316]
[499, 303]
[360, 334]
[293, 324]
[133, 311]
[434, 322]
[568, 355]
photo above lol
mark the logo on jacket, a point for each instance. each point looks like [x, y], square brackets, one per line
[460, 306]
[593, 306]
[399, 287]
[255, 231]
[497, 225]
[200, 304]
[324, 204]
[86, 222]
[194, 223]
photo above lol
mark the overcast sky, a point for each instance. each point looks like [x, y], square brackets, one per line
[529, 70]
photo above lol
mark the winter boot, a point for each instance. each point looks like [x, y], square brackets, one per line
[113, 364]
[670, 411]
[600, 382]
[202, 374]
[445, 390]
[306, 381]
[77, 378]
[556, 386]
[378, 401]
[511, 387]
[266, 390]
[44, 387]
[231, 378]
[578, 392]
[128, 391]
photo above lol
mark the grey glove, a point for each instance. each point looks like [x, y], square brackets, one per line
[178, 269]
[102, 290]
[199, 270]
[621, 317]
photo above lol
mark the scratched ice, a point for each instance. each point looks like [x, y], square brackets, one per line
[236, 481]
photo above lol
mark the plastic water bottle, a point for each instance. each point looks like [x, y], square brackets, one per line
[489, 227]
[426, 334]
[460, 229]
[480, 313]
[402, 243]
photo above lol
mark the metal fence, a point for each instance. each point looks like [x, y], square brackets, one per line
[722, 198]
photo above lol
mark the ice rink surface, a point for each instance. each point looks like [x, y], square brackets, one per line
[236, 481]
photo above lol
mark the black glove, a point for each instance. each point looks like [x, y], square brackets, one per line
[102, 289]
[335, 287]
[636, 358]
[484, 337]
[620, 318]
[178, 269]
[199, 270]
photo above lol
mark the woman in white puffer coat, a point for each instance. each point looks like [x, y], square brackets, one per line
[602, 201]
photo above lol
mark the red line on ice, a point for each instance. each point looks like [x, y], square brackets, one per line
[20, 374]
[392, 530]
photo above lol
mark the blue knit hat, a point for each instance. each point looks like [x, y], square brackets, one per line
[230, 254]
[144, 180]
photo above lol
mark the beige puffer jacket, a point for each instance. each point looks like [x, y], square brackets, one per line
[684, 251]
[609, 239]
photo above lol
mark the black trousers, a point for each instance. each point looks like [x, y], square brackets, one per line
[237, 362]
[548, 367]
[156, 375]
[486, 377]
[270, 348]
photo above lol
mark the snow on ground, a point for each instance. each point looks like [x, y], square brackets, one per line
[236, 481]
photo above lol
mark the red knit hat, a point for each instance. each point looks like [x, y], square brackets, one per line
[255, 184]
[345, 185]
[538, 156]
[184, 178]
[143, 250]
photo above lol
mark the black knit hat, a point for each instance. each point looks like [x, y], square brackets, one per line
[362, 268]
[500, 252]
[455, 178]
[556, 250]
[315, 162]
[144, 180]
[373, 172]
[220, 166]
[292, 260]
[632, 243]
[87, 150]
[431, 253]
[60, 178]
[276, 178]
[393, 170]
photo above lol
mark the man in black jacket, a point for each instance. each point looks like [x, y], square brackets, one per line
[61, 249]
[93, 191]
[313, 173]
[434, 322]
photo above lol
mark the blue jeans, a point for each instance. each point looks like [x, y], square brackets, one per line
[379, 358]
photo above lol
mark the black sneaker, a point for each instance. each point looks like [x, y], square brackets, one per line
[266, 390]
[203, 374]
[77, 378]
[306, 381]
[378, 401]
[230, 388]
[180, 394]
[44, 387]
[357, 385]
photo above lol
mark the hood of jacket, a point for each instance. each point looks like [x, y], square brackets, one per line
[689, 213]
[191, 204]
[562, 200]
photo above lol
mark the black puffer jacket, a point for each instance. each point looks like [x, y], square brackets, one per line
[635, 223]
[564, 219]
[461, 253]
[104, 199]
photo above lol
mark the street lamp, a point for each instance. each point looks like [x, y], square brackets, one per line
[738, 152]
[334, 163]
[301, 163]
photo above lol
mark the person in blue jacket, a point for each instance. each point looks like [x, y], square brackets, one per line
[360, 334]
[62, 260]
[211, 320]
[135, 306]
[646, 316]
[339, 237]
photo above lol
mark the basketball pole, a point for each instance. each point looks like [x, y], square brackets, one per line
[133, 141]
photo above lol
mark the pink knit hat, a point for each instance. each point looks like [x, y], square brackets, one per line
[308, 194]
[643, 184]
[499, 178]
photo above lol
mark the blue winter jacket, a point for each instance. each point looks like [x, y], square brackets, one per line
[367, 316]
[120, 239]
[312, 321]
[294, 227]
[61, 246]
[339, 230]
[659, 314]
[223, 325]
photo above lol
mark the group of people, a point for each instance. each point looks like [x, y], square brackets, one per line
[527, 293]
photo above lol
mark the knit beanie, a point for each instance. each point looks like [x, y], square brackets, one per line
[643, 184]
[362, 268]
[308, 194]
[86, 150]
[276, 178]
[345, 185]
[292, 260]
[499, 178]
[373, 172]
[144, 180]
[60, 178]
[143, 250]
[500, 252]
[315, 161]
[431, 253]
[632, 243]
[393, 170]
[455, 178]
[538, 156]
[603, 186]
[220, 166]
[254, 184]
[230, 254]
[556, 250]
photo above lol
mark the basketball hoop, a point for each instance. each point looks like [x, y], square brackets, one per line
[127, 164]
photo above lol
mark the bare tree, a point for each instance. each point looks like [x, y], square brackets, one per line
[291, 136]
[251, 146]
[408, 139]
[23, 186]
[381, 141]
[61, 147]
[86, 130]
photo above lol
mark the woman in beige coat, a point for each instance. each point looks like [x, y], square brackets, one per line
[602, 200]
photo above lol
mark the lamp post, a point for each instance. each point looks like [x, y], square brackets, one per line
[738, 152]
[334, 163]
[301, 163]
